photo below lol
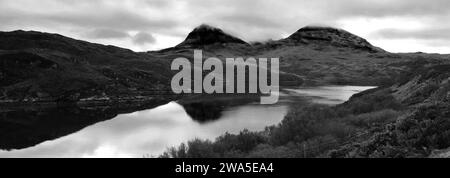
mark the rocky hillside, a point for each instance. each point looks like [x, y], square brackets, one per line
[430, 85]
[43, 67]
[421, 129]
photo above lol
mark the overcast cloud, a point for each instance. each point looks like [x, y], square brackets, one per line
[395, 25]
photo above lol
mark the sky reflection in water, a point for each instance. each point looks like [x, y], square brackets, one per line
[150, 132]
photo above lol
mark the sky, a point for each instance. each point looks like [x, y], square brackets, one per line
[142, 25]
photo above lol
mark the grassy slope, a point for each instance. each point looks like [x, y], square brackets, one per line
[50, 67]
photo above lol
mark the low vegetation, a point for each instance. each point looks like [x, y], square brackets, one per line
[308, 131]
[374, 123]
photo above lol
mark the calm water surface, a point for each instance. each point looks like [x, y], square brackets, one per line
[150, 132]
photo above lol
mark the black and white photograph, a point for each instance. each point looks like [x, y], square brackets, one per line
[181, 79]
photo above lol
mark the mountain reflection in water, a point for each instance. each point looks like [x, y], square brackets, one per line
[75, 132]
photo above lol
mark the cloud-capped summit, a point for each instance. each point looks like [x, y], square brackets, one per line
[330, 36]
[207, 35]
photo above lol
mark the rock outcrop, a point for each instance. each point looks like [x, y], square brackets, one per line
[331, 36]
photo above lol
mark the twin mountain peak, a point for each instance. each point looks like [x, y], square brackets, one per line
[204, 35]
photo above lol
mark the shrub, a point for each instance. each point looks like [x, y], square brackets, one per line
[301, 124]
[269, 151]
[241, 143]
[369, 120]
[428, 127]
[369, 101]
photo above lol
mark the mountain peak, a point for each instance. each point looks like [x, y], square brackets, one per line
[207, 35]
[331, 36]
[206, 27]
